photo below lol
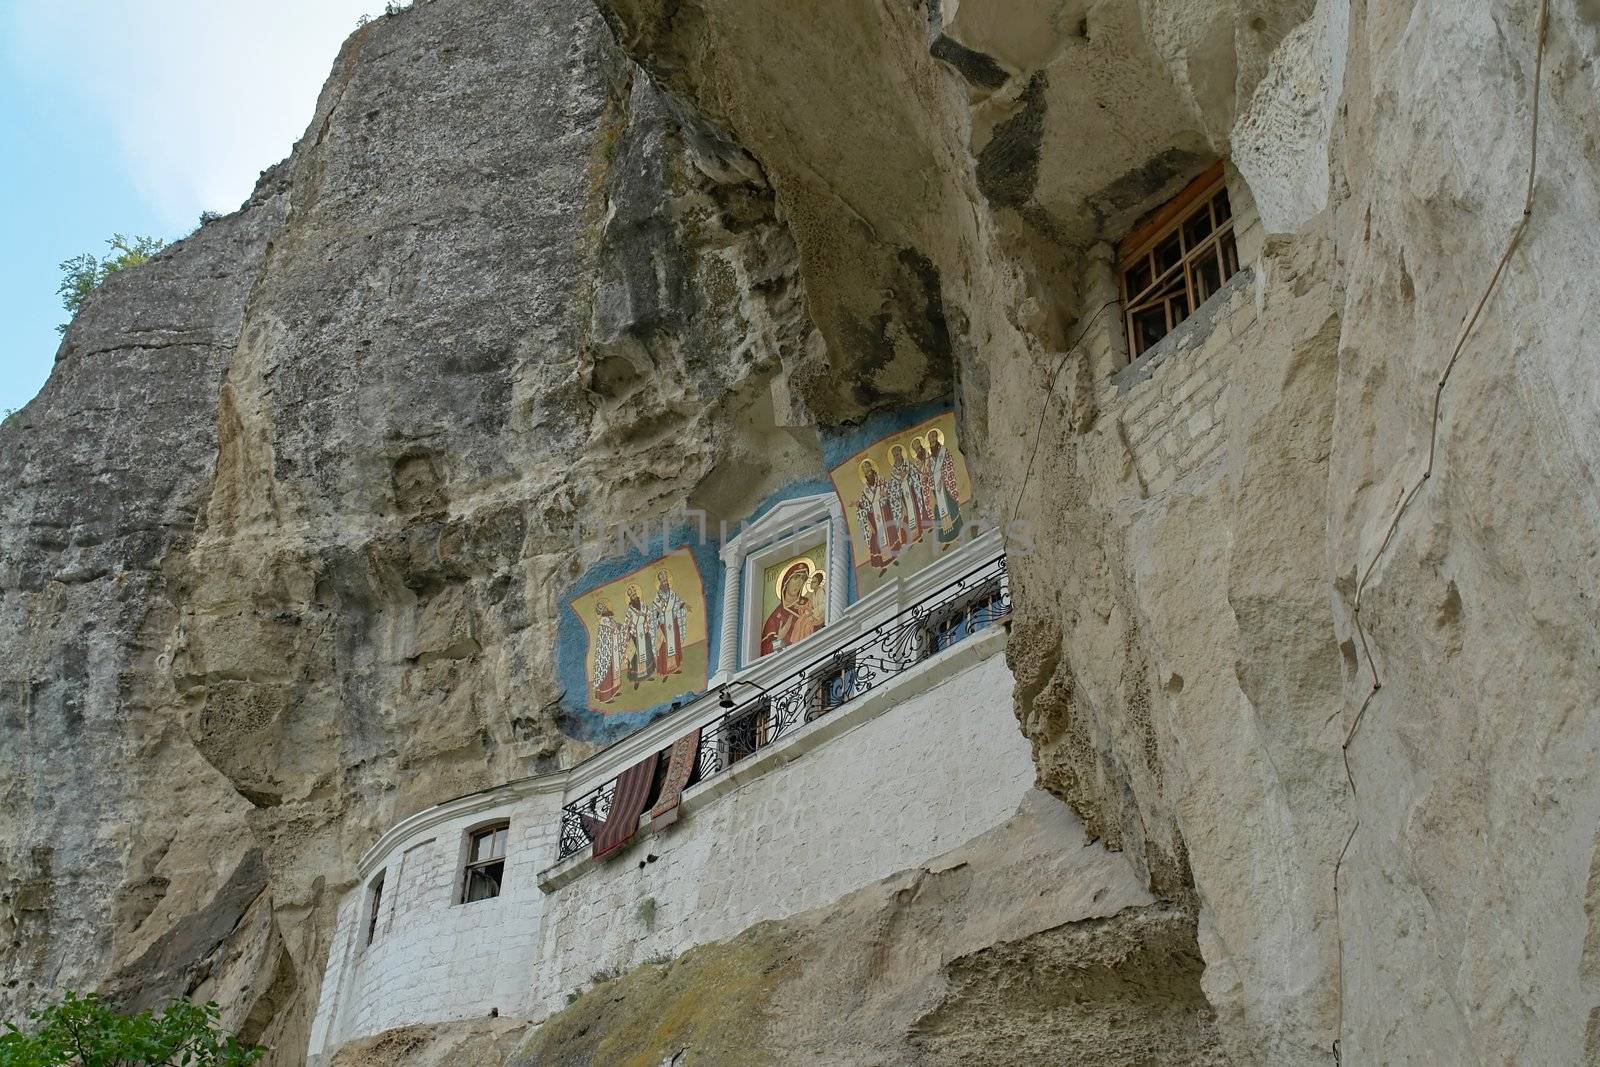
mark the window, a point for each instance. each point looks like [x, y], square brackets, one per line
[834, 684]
[486, 862]
[963, 618]
[375, 903]
[749, 731]
[1171, 263]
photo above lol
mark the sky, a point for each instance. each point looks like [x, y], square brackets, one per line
[133, 116]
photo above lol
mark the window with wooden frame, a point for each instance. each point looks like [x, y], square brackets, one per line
[486, 862]
[1173, 261]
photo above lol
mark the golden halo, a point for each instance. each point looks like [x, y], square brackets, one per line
[800, 564]
[868, 465]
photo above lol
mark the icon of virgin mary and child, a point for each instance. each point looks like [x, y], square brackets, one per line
[800, 611]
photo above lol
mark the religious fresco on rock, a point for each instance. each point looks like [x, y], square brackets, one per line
[793, 603]
[903, 499]
[647, 636]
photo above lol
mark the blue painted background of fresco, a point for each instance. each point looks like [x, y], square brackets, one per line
[576, 718]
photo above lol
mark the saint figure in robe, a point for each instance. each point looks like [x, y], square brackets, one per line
[641, 638]
[671, 619]
[608, 644]
[876, 517]
[946, 508]
[924, 466]
[905, 495]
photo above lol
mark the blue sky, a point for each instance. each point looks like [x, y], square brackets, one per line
[133, 116]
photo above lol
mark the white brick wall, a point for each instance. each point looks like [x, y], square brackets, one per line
[923, 764]
[1172, 413]
[930, 774]
[1170, 407]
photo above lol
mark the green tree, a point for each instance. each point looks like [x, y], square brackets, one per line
[82, 1031]
[80, 274]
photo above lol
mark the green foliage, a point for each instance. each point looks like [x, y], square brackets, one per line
[82, 1031]
[80, 274]
[601, 977]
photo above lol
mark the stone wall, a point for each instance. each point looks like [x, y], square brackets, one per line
[1167, 405]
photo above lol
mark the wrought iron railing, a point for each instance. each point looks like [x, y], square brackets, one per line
[943, 618]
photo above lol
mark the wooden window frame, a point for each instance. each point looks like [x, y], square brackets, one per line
[1174, 289]
[473, 866]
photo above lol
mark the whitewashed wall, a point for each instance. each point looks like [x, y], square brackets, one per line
[432, 959]
[903, 774]
[932, 772]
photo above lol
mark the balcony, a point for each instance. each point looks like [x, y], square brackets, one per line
[897, 628]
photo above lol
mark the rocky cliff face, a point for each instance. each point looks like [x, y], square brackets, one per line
[284, 533]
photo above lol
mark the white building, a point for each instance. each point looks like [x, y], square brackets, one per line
[878, 743]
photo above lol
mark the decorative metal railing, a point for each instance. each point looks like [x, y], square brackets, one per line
[943, 618]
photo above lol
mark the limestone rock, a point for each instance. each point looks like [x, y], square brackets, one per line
[1028, 944]
[282, 540]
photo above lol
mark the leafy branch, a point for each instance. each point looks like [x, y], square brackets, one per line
[82, 1031]
[81, 274]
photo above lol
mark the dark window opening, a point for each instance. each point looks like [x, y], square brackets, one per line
[1176, 260]
[834, 685]
[376, 903]
[963, 618]
[749, 731]
[486, 863]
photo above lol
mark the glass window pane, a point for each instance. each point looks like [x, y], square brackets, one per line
[489, 844]
[1149, 326]
[1230, 257]
[1219, 203]
[1207, 277]
[484, 882]
[1137, 277]
[1197, 228]
[1168, 253]
[1180, 309]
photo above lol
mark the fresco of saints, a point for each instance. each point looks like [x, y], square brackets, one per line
[608, 642]
[876, 516]
[905, 495]
[946, 508]
[670, 617]
[800, 612]
[641, 638]
[924, 465]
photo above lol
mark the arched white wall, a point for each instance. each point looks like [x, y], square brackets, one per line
[918, 766]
